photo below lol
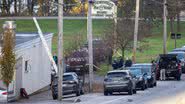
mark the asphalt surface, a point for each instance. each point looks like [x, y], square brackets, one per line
[166, 92]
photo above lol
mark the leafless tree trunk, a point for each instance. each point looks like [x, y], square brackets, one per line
[172, 24]
[15, 7]
[40, 12]
[178, 23]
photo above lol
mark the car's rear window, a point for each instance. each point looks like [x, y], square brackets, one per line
[146, 70]
[136, 71]
[116, 74]
[67, 77]
[179, 55]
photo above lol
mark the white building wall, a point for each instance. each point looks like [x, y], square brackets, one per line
[38, 75]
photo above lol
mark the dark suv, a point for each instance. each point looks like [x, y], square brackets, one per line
[119, 81]
[149, 70]
[71, 84]
[171, 64]
[141, 81]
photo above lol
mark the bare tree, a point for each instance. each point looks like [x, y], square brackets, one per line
[124, 34]
[7, 62]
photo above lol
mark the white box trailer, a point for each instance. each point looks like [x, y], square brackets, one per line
[33, 66]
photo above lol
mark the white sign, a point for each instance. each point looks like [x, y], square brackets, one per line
[104, 9]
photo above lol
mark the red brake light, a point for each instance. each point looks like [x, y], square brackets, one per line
[157, 67]
[4, 93]
[179, 66]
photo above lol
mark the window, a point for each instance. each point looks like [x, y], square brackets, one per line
[27, 66]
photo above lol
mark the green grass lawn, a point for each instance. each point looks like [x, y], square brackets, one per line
[71, 28]
[75, 27]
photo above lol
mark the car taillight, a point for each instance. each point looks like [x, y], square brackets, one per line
[179, 66]
[4, 93]
[157, 67]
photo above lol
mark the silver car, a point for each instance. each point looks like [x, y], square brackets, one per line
[119, 81]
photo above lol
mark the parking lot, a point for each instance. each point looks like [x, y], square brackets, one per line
[166, 92]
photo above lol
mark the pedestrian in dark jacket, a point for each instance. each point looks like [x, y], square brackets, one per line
[128, 63]
[120, 65]
[115, 65]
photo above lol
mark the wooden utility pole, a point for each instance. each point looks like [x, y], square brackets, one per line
[165, 26]
[90, 44]
[136, 30]
[115, 26]
[60, 49]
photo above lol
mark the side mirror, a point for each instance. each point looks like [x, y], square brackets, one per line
[128, 78]
[134, 76]
[106, 79]
[145, 74]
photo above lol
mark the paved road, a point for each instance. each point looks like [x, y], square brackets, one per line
[167, 92]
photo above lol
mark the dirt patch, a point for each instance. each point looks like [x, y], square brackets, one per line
[97, 88]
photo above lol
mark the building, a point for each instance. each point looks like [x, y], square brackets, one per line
[33, 67]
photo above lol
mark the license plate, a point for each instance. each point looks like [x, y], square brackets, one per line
[116, 81]
[168, 72]
[64, 85]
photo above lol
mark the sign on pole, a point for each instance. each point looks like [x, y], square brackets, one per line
[104, 9]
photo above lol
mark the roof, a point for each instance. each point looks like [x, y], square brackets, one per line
[27, 40]
[178, 49]
[114, 71]
[176, 52]
[70, 73]
[143, 64]
[25, 37]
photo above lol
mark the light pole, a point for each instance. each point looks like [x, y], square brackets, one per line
[136, 30]
[165, 26]
[90, 44]
[60, 49]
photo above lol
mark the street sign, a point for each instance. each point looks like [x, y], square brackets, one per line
[173, 35]
[104, 9]
[178, 36]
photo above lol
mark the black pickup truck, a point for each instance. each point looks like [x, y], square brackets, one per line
[171, 64]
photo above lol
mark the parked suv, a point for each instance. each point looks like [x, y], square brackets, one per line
[141, 79]
[119, 81]
[179, 50]
[150, 71]
[181, 57]
[71, 84]
[171, 64]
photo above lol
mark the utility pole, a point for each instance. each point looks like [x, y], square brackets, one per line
[165, 26]
[60, 49]
[115, 25]
[136, 30]
[90, 47]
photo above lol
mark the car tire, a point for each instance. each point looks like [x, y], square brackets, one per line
[152, 85]
[55, 96]
[146, 86]
[155, 84]
[81, 91]
[143, 87]
[135, 91]
[106, 93]
[78, 92]
[178, 77]
[130, 92]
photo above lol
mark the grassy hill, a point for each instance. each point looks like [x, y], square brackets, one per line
[75, 27]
